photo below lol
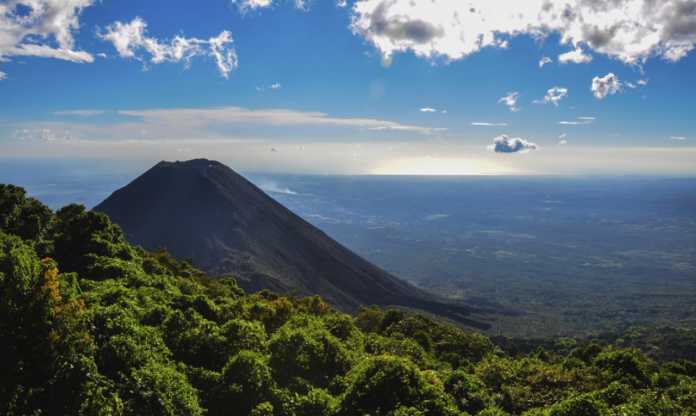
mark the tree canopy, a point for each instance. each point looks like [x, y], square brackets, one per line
[91, 325]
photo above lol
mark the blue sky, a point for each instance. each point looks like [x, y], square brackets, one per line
[372, 86]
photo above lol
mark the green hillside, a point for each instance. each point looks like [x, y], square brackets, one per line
[91, 325]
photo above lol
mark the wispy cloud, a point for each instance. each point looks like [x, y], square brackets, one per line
[485, 124]
[222, 123]
[248, 5]
[273, 87]
[510, 100]
[132, 41]
[563, 139]
[428, 110]
[580, 121]
[245, 6]
[553, 96]
[678, 138]
[637, 84]
[79, 113]
[273, 117]
[545, 60]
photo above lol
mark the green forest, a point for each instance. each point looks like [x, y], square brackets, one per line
[91, 325]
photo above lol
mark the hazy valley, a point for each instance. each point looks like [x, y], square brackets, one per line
[558, 256]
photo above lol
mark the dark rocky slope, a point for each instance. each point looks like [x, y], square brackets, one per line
[204, 211]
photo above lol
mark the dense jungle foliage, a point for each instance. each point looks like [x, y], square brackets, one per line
[91, 325]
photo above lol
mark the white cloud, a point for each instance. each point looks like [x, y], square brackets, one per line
[400, 127]
[485, 124]
[678, 138]
[428, 110]
[225, 56]
[563, 142]
[545, 61]
[45, 51]
[224, 124]
[44, 29]
[130, 40]
[606, 85]
[510, 100]
[245, 6]
[44, 134]
[506, 144]
[563, 136]
[637, 84]
[629, 30]
[553, 96]
[581, 121]
[272, 87]
[79, 113]
[302, 4]
[270, 117]
[2, 75]
[577, 56]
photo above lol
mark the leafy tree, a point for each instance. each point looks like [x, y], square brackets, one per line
[315, 402]
[243, 335]
[246, 382]
[81, 236]
[46, 354]
[383, 384]
[24, 217]
[623, 365]
[579, 406]
[468, 391]
[195, 340]
[159, 389]
[304, 348]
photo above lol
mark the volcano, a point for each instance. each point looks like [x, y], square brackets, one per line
[203, 211]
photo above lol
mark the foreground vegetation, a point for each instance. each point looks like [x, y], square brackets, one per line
[91, 325]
